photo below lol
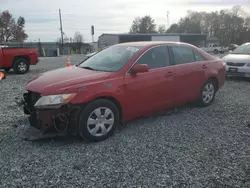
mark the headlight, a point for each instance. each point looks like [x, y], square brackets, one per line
[54, 100]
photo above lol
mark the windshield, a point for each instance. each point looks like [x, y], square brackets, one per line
[111, 59]
[243, 49]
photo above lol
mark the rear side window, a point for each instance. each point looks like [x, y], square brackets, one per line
[183, 54]
[156, 57]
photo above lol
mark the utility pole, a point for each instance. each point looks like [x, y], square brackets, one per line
[168, 19]
[61, 29]
[70, 39]
[39, 47]
[92, 32]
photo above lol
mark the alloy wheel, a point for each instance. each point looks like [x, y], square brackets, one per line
[22, 67]
[100, 121]
[208, 93]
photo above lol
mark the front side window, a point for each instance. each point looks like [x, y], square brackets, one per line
[198, 56]
[111, 59]
[156, 57]
[183, 54]
[243, 49]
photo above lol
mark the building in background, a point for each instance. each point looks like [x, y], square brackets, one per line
[212, 40]
[111, 39]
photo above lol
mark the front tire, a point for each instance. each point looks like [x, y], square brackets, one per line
[207, 93]
[21, 66]
[216, 51]
[97, 120]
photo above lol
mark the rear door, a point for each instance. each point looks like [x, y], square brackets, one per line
[150, 91]
[190, 75]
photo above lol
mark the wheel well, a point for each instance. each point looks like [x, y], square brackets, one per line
[117, 104]
[21, 57]
[215, 81]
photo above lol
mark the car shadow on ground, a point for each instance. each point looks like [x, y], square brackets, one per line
[31, 73]
[12, 73]
[60, 141]
[29, 133]
[152, 117]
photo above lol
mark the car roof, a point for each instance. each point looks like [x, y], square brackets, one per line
[150, 43]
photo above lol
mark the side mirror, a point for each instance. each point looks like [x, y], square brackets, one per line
[2, 75]
[139, 68]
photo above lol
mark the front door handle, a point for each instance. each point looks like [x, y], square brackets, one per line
[169, 74]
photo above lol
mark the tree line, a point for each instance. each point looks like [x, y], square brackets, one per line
[78, 38]
[229, 26]
[11, 29]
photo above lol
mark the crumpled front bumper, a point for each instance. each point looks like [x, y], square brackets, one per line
[59, 119]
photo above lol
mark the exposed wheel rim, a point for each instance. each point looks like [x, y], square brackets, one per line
[22, 66]
[208, 93]
[100, 121]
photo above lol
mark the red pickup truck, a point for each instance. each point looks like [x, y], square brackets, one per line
[19, 59]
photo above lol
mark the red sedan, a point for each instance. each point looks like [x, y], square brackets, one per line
[121, 83]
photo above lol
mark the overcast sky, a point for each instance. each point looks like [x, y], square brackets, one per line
[108, 16]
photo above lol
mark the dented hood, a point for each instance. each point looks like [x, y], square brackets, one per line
[56, 81]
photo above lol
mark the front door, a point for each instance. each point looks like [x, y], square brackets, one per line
[150, 91]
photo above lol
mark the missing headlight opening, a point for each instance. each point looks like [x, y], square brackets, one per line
[60, 119]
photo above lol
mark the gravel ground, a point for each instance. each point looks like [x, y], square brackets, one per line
[189, 147]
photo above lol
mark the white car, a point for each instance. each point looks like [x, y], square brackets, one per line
[238, 61]
[214, 48]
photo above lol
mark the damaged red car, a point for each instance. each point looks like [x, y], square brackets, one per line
[121, 83]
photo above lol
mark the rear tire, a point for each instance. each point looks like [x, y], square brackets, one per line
[207, 93]
[21, 66]
[97, 120]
